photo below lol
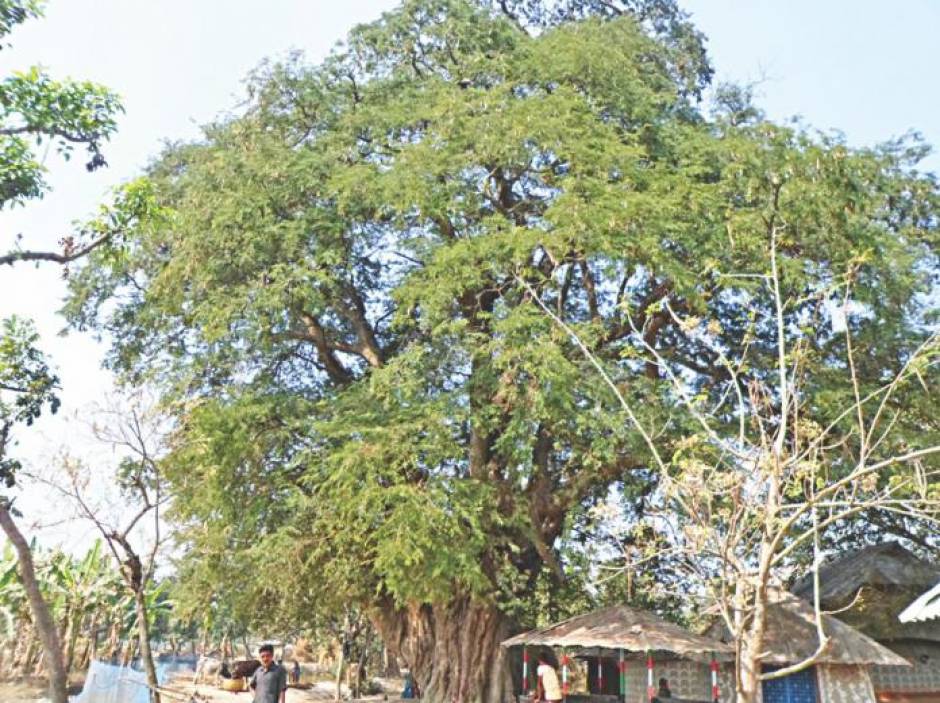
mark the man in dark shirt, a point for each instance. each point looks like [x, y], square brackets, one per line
[270, 680]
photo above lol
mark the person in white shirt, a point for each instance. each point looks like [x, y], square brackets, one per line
[548, 689]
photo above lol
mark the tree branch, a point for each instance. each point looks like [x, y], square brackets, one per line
[55, 257]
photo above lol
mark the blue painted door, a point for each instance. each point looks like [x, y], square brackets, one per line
[795, 688]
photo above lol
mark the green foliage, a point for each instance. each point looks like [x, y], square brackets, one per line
[68, 113]
[35, 108]
[337, 299]
[15, 12]
[82, 592]
[27, 386]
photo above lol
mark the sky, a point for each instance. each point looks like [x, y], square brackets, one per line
[864, 67]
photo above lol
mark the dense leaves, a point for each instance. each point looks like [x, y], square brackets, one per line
[339, 295]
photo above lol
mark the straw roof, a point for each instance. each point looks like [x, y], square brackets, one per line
[927, 607]
[621, 627]
[872, 586]
[884, 565]
[791, 637]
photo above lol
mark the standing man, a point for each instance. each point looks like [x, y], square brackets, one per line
[548, 690]
[295, 673]
[269, 681]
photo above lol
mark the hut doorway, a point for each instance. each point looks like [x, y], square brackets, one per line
[603, 676]
[795, 688]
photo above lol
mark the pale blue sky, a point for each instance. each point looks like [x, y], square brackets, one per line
[868, 68]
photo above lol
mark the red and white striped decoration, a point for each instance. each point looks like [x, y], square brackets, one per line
[525, 670]
[564, 675]
[600, 675]
[650, 689]
[716, 693]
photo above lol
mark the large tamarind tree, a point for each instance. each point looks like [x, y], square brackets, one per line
[336, 296]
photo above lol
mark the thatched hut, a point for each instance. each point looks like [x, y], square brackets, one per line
[620, 634]
[841, 673]
[870, 588]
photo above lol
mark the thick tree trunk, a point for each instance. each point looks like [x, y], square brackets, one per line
[390, 667]
[749, 683]
[42, 618]
[452, 650]
[143, 636]
[749, 662]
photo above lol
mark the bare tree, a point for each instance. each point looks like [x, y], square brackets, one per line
[132, 533]
[740, 499]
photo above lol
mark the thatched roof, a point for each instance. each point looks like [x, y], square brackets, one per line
[791, 637]
[885, 565]
[621, 627]
[927, 607]
[871, 586]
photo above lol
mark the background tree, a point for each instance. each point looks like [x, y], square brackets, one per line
[68, 114]
[84, 595]
[27, 386]
[341, 304]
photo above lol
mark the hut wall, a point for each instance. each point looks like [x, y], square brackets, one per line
[844, 684]
[923, 676]
[687, 679]
[726, 684]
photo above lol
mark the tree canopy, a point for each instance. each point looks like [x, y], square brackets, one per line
[336, 296]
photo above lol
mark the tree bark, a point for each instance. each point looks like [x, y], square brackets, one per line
[74, 622]
[749, 676]
[42, 618]
[452, 650]
[114, 642]
[91, 644]
[17, 647]
[341, 660]
[750, 648]
[143, 635]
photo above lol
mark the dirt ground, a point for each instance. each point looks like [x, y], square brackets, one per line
[22, 691]
[29, 690]
[33, 690]
[323, 691]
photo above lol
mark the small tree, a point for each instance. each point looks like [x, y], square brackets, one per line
[137, 433]
[767, 471]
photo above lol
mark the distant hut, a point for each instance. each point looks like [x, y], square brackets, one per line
[621, 636]
[870, 588]
[841, 673]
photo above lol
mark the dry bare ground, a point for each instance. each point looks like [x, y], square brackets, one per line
[30, 689]
[322, 691]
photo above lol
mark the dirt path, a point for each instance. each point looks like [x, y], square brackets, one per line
[323, 691]
[30, 690]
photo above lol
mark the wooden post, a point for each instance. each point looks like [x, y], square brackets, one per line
[525, 670]
[716, 693]
[623, 678]
[564, 675]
